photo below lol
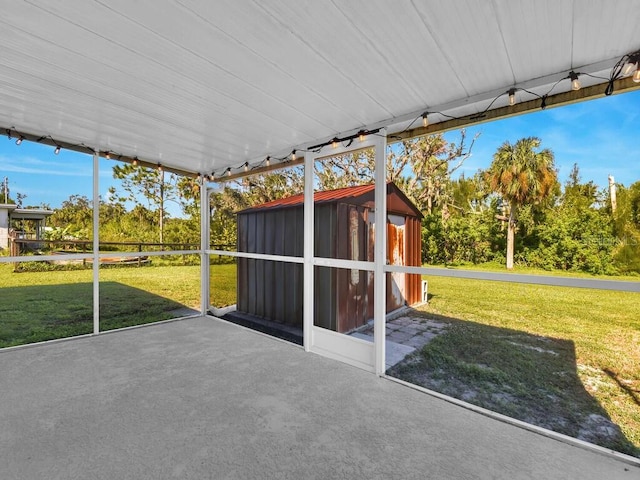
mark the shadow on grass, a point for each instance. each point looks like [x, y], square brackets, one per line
[527, 377]
[37, 313]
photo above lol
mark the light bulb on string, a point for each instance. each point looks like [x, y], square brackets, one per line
[425, 119]
[160, 168]
[361, 135]
[293, 155]
[629, 67]
[135, 161]
[19, 140]
[246, 166]
[267, 161]
[57, 150]
[575, 82]
[512, 97]
[636, 76]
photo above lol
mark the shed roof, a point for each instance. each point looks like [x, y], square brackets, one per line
[30, 214]
[357, 194]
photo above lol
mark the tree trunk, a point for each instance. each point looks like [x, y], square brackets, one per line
[511, 233]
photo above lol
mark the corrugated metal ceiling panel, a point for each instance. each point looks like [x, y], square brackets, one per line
[203, 86]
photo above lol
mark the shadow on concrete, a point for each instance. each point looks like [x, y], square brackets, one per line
[528, 377]
[290, 333]
[36, 313]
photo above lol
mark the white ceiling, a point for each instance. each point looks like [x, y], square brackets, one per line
[202, 85]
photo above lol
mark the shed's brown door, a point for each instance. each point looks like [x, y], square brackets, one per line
[395, 256]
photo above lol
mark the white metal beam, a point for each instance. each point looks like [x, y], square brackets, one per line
[380, 254]
[204, 246]
[308, 250]
[96, 243]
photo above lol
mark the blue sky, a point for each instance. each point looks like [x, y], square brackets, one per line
[602, 136]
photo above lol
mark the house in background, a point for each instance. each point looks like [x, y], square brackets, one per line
[32, 221]
[344, 229]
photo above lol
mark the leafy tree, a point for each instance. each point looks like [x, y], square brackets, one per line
[357, 168]
[157, 188]
[263, 188]
[223, 205]
[577, 233]
[626, 227]
[74, 217]
[431, 161]
[521, 175]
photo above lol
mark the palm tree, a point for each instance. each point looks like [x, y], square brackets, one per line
[521, 175]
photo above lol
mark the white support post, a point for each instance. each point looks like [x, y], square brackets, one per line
[96, 243]
[308, 285]
[204, 246]
[380, 254]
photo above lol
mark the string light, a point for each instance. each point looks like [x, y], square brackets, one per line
[628, 65]
[629, 68]
[575, 82]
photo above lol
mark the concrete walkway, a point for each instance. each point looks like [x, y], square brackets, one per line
[202, 399]
[404, 335]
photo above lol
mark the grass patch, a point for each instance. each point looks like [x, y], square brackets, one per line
[39, 306]
[562, 358]
[523, 270]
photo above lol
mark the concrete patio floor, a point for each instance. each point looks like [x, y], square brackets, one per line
[200, 398]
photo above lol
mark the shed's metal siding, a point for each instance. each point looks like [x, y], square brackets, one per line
[265, 288]
[343, 229]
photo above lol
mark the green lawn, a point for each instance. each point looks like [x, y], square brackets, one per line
[519, 269]
[547, 355]
[38, 306]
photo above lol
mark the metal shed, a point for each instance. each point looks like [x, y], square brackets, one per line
[344, 229]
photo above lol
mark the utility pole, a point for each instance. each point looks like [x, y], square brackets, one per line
[5, 185]
[612, 194]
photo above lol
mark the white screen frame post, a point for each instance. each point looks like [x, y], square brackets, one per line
[351, 350]
[205, 194]
[380, 258]
[308, 252]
